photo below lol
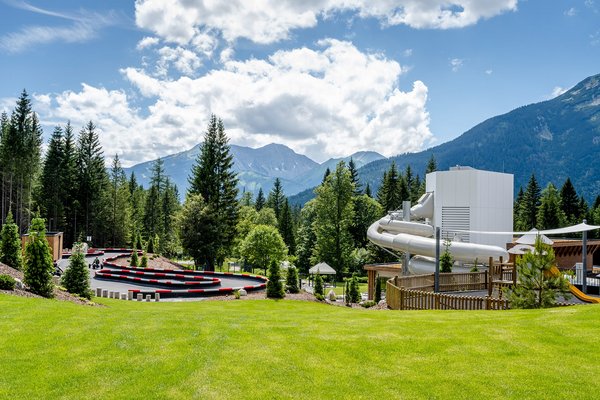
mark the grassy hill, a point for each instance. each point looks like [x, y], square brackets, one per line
[288, 349]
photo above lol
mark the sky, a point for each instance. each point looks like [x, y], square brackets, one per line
[325, 77]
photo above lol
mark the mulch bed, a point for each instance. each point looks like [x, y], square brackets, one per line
[58, 293]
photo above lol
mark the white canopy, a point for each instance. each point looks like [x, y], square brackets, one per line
[531, 237]
[322, 268]
[559, 231]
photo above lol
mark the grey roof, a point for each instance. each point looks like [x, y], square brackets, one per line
[323, 269]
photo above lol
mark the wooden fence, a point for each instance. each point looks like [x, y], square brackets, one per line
[449, 282]
[400, 298]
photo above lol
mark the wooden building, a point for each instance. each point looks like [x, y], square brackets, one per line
[55, 240]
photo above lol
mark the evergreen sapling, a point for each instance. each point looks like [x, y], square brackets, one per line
[292, 280]
[274, 285]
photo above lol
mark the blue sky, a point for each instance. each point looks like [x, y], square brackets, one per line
[325, 77]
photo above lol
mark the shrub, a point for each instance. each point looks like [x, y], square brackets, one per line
[134, 259]
[10, 249]
[236, 294]
[76, 277]
[347, 297]
[377, 289]
[7, 282]
[319, 297]
[38, 261]
[291, 281]
[368, 304]
[144, 262]
[446, 260]
[319, 285]
[150, 245]
[354, 292]
[274, 285]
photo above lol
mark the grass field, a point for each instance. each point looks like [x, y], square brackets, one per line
[292, 350]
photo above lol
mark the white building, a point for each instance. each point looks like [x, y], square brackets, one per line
[467, 199]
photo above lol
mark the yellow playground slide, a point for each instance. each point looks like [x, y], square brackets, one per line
[576, 292]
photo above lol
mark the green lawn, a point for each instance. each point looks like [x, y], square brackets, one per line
[292, 350]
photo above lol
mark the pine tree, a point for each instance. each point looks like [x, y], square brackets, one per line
[69, 174]
[150, 245]
[134, 259]
[38, 260]
[517, 211]
[144, 262]
[260, 200]
[431, 165]
[354, 177]
[119, 221]
[368, 191]
[76, 278]
[377, 289]
[51, 181]
[153, 216]
[569, 202]
[286, 227]
[274, 285]
[246, 199]
[213, 178]
[531, 202]
[389, 195]
[550, 215]
[276, 198]
[92, 180]
[318, 289]
[347, 295]
[10, 247]
[325, 175]
[198, 230]
[446, 261]
[291, 281]
[306, 236]
[354, 292]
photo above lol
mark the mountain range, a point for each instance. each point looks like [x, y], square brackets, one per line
[553, 139]
[255, 168]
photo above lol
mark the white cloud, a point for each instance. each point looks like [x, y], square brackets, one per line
[325, 102]
[489, 71]
[268, 21]
[571, 12]
[407, 52]
[146, 42]
[183, 60]
[456, 64]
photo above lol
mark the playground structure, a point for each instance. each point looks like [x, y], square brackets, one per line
[473, 211]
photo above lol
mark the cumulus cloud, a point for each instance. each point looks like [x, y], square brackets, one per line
[327, 101]
[146, 42]
[268, 21]
[456, 64]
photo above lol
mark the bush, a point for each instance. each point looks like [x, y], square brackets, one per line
[76, 277]
[291, 281]
[38, 260]
[150, 245]
[368, 304]
[10, 248]
[319, 285]
[347, 297]
[144, 263]
[319, 297]
[7, 282]
[354, 292]
[377, 289]
[134, 259]
[236, 294]
[274, 285]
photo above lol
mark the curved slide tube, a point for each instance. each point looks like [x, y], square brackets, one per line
[415, 238]
[576, 292]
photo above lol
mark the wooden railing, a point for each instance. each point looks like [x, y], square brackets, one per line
[400, 298]
[449, 282]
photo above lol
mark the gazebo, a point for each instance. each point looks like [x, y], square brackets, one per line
[322, 268]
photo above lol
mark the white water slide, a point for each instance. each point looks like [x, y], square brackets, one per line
[417, 238]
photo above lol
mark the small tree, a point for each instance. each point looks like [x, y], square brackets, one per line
[354, 292]
[10, 249]
[446, 260]
[377, 289]
[291, 281]
[347, 297]
[138, 242]
[537, 286]
[38, 260]
[76, 277]
[144, 262]
[134, 258]
[150, 245]
[274, 285]
[319, 284]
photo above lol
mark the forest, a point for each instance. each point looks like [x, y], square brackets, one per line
[71, 187]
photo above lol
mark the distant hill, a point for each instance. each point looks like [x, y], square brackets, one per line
[256, 168]
[554, 139]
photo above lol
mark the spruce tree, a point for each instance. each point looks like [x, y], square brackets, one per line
[354, 177]
[150, 245]
[318, 289]
[274, 285]
[325, 175]
[260, 200]
[119, 213]
[347, 295]
[569, 202]
[51, 181]
[286, 227]
[10, 250]
[276, 198]
[531, 202]
[306, 236]
[69, 184]
[153, 210]
[431, 165]
[377, 289]
[76, 278]
[291, 281]
[213, 178]
[144, 262]
[368, 190]
[354, 291]
[38, 260]
[446, 260]
[550, 215]
[134, 259]
[517, 211]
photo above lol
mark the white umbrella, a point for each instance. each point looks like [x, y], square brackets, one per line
[521, 249]
[531, 236]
